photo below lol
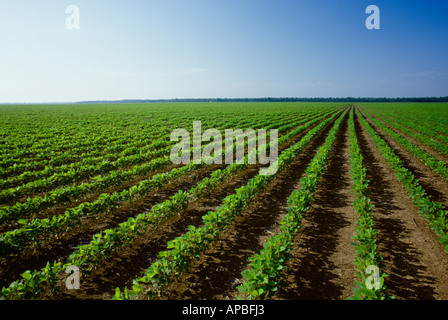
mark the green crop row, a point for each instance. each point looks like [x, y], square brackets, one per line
[88, 166]
[30, 141]
[110, 239]
[26, 148]
[97, 183]
[64, 194]
[113, 178]
[55, 176]
[32, 230]
[78, 173]
[56, 153]
[421, 127]
[131, 153]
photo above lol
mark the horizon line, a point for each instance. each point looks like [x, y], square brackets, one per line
[263, 99]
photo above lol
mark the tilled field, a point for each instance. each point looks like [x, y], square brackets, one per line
[156, 230]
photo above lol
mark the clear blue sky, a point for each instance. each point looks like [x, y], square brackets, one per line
[221, 48]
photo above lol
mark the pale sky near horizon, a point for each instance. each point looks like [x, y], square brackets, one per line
[166, 49]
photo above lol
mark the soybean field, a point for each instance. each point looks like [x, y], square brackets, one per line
[93, 207]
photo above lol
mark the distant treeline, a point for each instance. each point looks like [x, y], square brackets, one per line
[347, 99]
